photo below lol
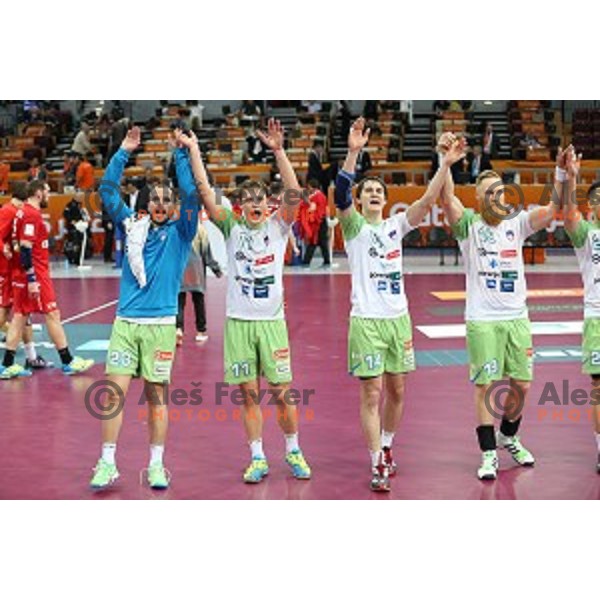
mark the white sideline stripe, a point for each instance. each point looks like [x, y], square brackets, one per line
[459, 330]
[91, 311]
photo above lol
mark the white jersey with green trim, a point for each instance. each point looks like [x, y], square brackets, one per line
[255, 259]
[375, 259]
[495, 272]
[586, 241]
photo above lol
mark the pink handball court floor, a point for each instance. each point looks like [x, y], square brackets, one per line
[49, 441]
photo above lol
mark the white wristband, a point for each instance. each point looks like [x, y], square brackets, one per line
[560, 175]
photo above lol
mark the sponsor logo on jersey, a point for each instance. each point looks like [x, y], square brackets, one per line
[486, 252]
[493, 263]
[507, 286]
[265, 260]
[509, 253]
[595, 242]
[491, 284]
[45, 244]
[245, 290]
[261, 292]
[395, 287]
[381, 285]
[597, 280]
[281, 354]
[488, 274]
[264, 281]
[29, 230]
[510, 275]
[163, 356]
[239, 255]
[395, 276]
[393, 254]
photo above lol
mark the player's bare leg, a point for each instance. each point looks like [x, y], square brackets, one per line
[158, 425]
[370, 420]
[253, 424]
[391, 415]
[15, 332]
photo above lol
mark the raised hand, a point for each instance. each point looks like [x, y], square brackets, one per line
[274, 136]
[445, 142]
[573, 162]
[358, 136]
[561, 157]
[456, 151]
[132, 140]
[182, 139]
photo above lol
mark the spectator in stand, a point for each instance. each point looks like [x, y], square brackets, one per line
[257, 151]
[82, 144]
[69, 168]
[530, 141]
[4, 171]
[477, 163]
[363, 165]
[440, 106]
[315, 166]
[76, 224]
[84, 177]
[249, 108]
[371, 110]
[490, 142]
[312, 217]
[194, 281]
[118, 132]
[346, 115]
[36, 172]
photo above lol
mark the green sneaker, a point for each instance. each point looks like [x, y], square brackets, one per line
[516, 449]
[105, 474]
[298, 464]
[14, 371]
[158, 476]
[77, 365]
[257, 470]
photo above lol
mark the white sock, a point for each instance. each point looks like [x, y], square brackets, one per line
[30, 352]
[291, 443]
[598, 441]
[386, 439]
[375, 458]
[108, 453]
[256, 449]
[156, 454]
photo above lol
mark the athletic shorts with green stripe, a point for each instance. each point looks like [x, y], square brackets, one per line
[499, 349]
[141, 350]
[255, 348]
[377, 346]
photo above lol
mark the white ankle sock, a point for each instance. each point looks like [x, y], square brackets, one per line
[387, 439]
[108, 453]
[256, 449]
[156, 454]
[375, 458]
[30, 352]
[291, 443]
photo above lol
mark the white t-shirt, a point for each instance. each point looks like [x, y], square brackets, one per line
[375, 259]
[586, 241]
[255, 259]
[493, 258]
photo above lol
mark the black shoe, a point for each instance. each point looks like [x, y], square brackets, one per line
[39, 363]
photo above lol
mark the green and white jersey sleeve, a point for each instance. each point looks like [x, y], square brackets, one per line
[586, 241]
[495, 273]
[255, 258]
[375, 259]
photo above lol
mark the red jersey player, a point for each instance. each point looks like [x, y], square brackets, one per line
[33, 291]
[7, 216]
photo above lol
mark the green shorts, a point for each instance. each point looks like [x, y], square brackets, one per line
[377, 346]
[255, 348]
[141, 350]
[499, 349]
[591, 346]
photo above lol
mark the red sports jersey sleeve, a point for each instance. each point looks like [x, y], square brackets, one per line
[29, 227]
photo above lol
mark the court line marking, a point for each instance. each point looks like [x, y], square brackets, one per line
[91, 311]
[533, 293]
[459, 330]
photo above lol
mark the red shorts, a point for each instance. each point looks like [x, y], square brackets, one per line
[24, 304]
[6, 291]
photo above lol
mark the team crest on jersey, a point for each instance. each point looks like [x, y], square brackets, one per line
[510, 235]
[392, 234]
[487, 235]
